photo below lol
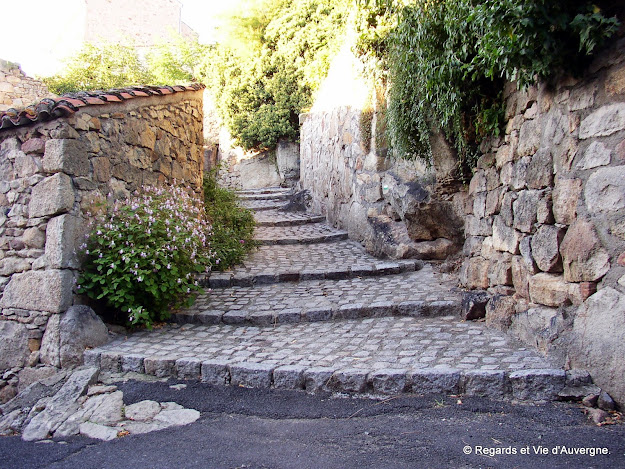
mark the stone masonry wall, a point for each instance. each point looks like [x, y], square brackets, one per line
[543, 222]
[16, 89]
[52, 175]
[395, 208]
[545, 233]
[240, 169]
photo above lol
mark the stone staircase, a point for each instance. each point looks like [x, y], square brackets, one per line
[312, 310]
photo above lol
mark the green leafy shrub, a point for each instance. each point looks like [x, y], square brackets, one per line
[267, 68]
[232, 236]
[141, 257]
[447, 61]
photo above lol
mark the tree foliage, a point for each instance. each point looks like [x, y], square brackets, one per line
[447, 60]
[106, 66]
[265, 71]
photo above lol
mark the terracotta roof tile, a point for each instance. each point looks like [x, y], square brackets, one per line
[51, 108]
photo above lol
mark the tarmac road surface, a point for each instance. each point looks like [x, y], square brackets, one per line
[268, 429]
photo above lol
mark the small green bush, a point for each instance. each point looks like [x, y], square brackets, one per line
[141, 257]
[232, 236]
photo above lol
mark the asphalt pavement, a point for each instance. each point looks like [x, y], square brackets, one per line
[272, 429]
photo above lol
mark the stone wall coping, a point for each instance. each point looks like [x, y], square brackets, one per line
[68, 104]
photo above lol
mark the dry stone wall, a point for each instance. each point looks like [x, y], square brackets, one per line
[542, 222]
[16, 89]
[239, 169]
[545, 232]
[397, 209]
[53, 175]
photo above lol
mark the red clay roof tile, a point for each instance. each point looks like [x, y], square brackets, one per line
[51, 108]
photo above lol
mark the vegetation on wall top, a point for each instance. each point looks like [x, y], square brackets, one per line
[106, 66]
[446, 61]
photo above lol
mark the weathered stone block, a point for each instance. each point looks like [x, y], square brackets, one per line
[14, 351]
[565, 197]
[253, 375]
[215, 372]
[474, 305]
[188, 368]
[474, 273]
[505, 238]
[506, 212]
[529, 137]
[604, 121]
[348, 380]
[52, 196]
[548, 289]
[500, 271]
[160, 367]
[434, 381]
[62, 236]
[605, 190]
[519, 174]
[540, 170]
[537, 384]
[316, 378]
[489, 383]
[583, 256]
[520, 276]
[101, 169]
[388, 381]
[472, 246]
[546, 248]
[478, 226]
[49, 290]
[49, 353]
[288, 377]
[598, 342]
[79, 328]
[499, 312]
[66, 155]
[129, 362]
[595, 155]
[525, 209]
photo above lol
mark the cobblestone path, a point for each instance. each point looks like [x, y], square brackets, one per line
[312, 310]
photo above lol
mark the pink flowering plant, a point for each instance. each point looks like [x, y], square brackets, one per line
[142, 256]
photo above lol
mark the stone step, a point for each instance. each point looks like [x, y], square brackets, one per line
[264, 190]
[279, 218]
[259, 205]
[420, 293]
[374, 355]
[293, 263]
[298, 234]
[270, 196]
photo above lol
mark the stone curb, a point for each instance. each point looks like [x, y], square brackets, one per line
[263, 190]
[528, 385]
[271, 196]
[294, 315]
[293, 222]
[270, 205]
[338, 236]
[227, 279]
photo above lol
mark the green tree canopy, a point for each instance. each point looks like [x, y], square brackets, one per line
[106, 66]
[272, 58]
